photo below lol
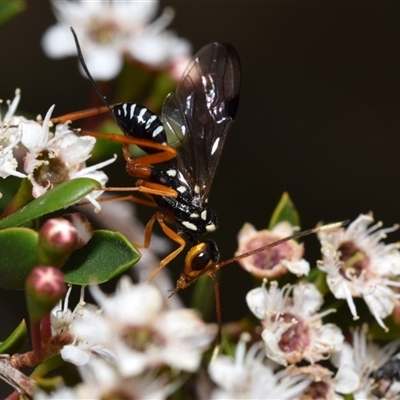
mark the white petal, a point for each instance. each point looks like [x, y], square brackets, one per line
[346, 380]
[225, 373]
[58, 42]
[246, 232]
[272, 347]
[135, 12]
[158, 49]
[104, 63]
[299, 268]
[256, 302]
[330, 337]
[34, 137]
[307, 298]
[283, 229]
[74, 355]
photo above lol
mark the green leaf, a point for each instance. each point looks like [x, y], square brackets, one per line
[16, 340]
[285, 211]
[107, 255]
[18, 256]
[62, 196]
[21, 197]
[9, 9]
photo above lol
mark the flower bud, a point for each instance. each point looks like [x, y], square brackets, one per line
[45, 286]
[83, 227]
[58, 238]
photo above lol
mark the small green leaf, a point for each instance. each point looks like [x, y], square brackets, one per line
[9, 9]
[18, 256]
[285, 211]
[107, 255]
[16, 340]
[62, 196]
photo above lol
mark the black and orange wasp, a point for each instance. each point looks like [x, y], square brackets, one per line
[176, 175]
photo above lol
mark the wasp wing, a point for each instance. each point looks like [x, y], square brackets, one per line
[201, 111]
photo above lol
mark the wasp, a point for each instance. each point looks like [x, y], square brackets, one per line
[386, 375]
[176, 174]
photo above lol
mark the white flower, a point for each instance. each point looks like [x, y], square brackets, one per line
[10, 137]
[109, 30]
[141, 335]
[59, 157]
[273, 262]
[358, 264]
[292, 328]
[62, 393]
[81, 348]
[323, 385]
[101, 380]
[247, 377]
[363, 359]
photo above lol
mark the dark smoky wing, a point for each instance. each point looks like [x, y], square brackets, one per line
[201, 111]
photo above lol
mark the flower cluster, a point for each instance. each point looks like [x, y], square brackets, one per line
[358, 264]
[121, 346]
[294, 333]
[48, 158]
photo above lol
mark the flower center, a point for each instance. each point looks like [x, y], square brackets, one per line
[269, 258]
[52, 171]
[295, 338]
[317, 390]
[116, 395]
[102, 32]
[353, 260]
[139, 338]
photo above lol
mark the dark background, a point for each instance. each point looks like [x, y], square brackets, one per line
[319, 112]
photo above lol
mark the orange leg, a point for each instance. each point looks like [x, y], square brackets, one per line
[145, 187]
[132, 198]
[160, 218]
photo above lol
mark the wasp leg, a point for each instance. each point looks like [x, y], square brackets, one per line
[130, 197]
[160, 218]
[146, 188]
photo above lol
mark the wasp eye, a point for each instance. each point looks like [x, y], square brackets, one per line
[207, 253]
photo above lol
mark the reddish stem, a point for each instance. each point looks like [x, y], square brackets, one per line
[36, 339]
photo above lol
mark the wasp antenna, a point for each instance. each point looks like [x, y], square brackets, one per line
[86, 69]
[297, 235]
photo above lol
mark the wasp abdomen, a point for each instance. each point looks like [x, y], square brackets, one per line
[139, 122]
